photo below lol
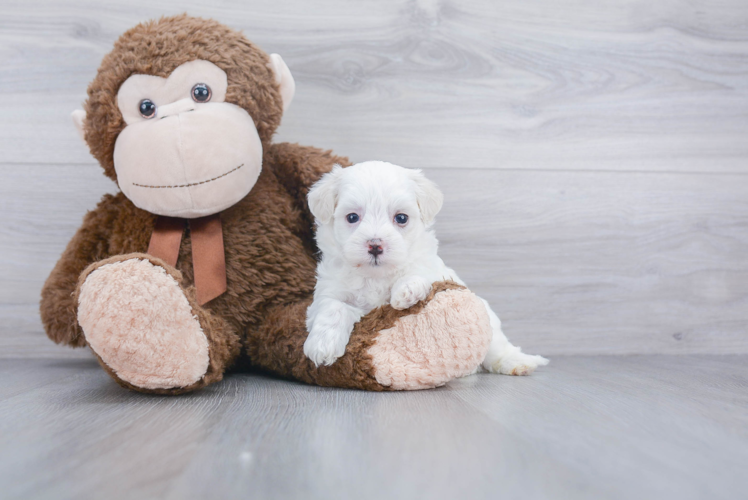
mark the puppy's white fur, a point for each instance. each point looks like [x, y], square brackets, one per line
[356, 211]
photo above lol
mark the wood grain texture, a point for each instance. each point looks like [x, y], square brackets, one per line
[584, 427]
[603, 262]
[617, 84]
[593, 156]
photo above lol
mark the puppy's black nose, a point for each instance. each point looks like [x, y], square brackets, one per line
[375, 247]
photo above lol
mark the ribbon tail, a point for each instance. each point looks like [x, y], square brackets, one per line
[208, 257]
[166, 239]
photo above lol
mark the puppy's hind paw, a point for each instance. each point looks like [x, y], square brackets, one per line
[517, 363]
[408, 291]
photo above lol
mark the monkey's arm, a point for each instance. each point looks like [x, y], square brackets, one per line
[298, 167]
[90, 244]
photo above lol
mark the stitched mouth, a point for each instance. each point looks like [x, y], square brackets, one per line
[190, 184]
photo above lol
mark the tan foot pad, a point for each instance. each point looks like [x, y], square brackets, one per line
[448, 339]
[139, 322]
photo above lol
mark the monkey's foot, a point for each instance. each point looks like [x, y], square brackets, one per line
[138, 321]
[446, 339]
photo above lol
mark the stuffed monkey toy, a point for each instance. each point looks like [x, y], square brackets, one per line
[205, 259]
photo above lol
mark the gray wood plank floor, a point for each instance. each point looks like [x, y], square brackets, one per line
[668, 427]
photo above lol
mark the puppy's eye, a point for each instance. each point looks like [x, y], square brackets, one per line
[147, 108]
[352, 218]
[401, 219]
[201, 93]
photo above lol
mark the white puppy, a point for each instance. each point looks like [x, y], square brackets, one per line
[374, 230]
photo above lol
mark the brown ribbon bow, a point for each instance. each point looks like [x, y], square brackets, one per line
[208, 257]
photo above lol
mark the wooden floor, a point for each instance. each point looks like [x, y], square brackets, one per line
[584, 427]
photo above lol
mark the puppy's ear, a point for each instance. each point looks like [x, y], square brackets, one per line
[428, 195]
[323, 196]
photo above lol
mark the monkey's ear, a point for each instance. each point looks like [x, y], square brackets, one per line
[283, 78]
[79, 116]
[323, 196]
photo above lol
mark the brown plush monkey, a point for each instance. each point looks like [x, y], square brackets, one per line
[206, 259]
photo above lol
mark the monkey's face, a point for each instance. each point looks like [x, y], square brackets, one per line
[185, 152]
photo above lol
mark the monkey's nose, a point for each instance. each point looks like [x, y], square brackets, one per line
[175, 108]
[375, 247]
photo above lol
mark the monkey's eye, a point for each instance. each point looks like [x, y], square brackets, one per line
[351, 218]
[147, 108]
[401, 219]
[201, 93]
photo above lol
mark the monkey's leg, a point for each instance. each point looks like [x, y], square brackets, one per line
[440, 338]
[147, 330]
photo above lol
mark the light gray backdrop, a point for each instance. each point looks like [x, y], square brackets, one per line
[593, 155]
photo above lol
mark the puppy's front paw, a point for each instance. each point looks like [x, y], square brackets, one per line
[325, 344]
[409, 290]
[516, 363]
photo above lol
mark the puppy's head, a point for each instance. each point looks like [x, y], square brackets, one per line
[373, 214]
